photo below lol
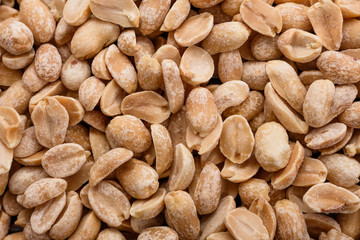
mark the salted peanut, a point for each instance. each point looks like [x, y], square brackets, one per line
[286, 177]
[9, 76]
[51, 120]
[107, 163]
[96, 119]
[163, 147]
[350, 115]
[64, 32]
[81, 177]
[74, 72]
[158, 233]
[127, 42]
[310, 76]
[334, 234]
[230, 66]
[152, 15]
[352, 52]
[186, 35]
[343, 98]
[4, 224]
[219, 15]
[318, 223]
[254, 74]
[326, 20]
[243, 224]
[349, 9]
[16, 96]
[76, 12]
[24, 177]
[149, 208]
[167, 51]
[252, 189]
[336, 147]
[183, 217]
[176, 15]
[261, 17]
[290, 221]
[311, 172]
[48, 62]
[73, 107]
[329, 198]
[30, 234]
[41, 191]
[264, 210]
[226, 37]
[55, 88]
[18, 61]
[98, 65]
[110, 233]
[350, 33]
[99, 143]
[109, 203]
[272, 150]
[121, 69]
[32, 160]
[149, 73]
[10, 205]
[90, 92]
[265, 48]
[84, 196]
[11, 127]
[8, 12]
[111, 98]
[325, 136]
[84, 47]
[290, 9]
[88, 228]
[342, 170]
[146, 47]
[15, 236]
[132, 175]
[236, 173]
[319, 99]
[220, 236]
[231, 7]
[64, 51]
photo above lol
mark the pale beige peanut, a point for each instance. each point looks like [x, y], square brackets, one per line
[254, 74]
[15, 236]
[48, 62]
[10, 205]
[41, 191]
[226, 37]
[163, 147]
[317, 223]
[30, 234]
[181, 213]
[4, 224]
[349, 9]
[8, 12]
[167, 51]
[107, 163]
[16, 96]
[138, 179]
[230, 66]
[290, 9]
[311, 172]
[265, 48]
[205, 3]
[264, 210]
[83, 47]
[325, 136]
[178, 127]
[111, 234]
[176, 15]
[350, 34]
[111, 98]
[150, 207]
[76, 12]
[18, 61]
[272, 150]
[74, 72]
[73, 107]
[329, 198]
[31, 81]
[236, 173]
[243, 224]
[24, 177]
[291, 221]
[343, 98]
[158, 233]
[65, 52]
[32, 160]
[349, 224]
[99, 143]
[252, 189]
[35, 15]
[88, 228]
[350, 115]
[310, 76]
[336, 147]
[11, 127]
[220, 236]
[152, 15]
[9, 76]
[231, 7]
[146, 47]
[326, 20]
[334, 234]
[149, 73]
[46, 214]
[90, 92]
[16, 38]
[81, 177]
[98, 66]
[127, 42]
[64, 32]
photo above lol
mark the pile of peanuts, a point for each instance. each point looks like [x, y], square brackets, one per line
[179, 119]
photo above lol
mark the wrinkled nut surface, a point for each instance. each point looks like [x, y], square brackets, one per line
[48, 62]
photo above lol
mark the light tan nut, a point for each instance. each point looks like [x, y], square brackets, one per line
[311, 172]
[254, 74]
[129, 132]
[183, 169]
[96, 119]
[90, 92]
[74, 72]
[231, 7]
[295, 194]
[111, 98]
[205, 3]
[24, 177]
[84, 196]
[349, 9]
[252, 189]
[310, 76]
[146, 47]
[9, 76]
[10, 205]
[349, 224]
[264, 210]
[326, 20]
[83, 47]
[138, 179]
[336, 147]
[236, 173]
[65, 52]
[178, 127]
[350, 33]
[194, 29]
[319, 99]
[64, 32]
[15, 236]
[163, 147]
[329, 198]
[121, 69]
[76, 12]
[226, 37]
[230, 66]
[107, 163]
[8, 12]
[158, 233]
[74, 109]
[343, 98]
[32, 160]
[220, 236]
[342, 170]
[127, 42]
[150, 207]
[272, 149]
[110, 233]
[290, 9]
[81, 177]
[124, 13]
[51, 120]
[41, 191]
[176, 15]
[167, 51]
[352, 52]
[99, 143]
[286, 177]
[88, 228]
[291, 221]
[109, 203]
[201, 111]
[181, 213]
[30, 234]
[334, 234]
[98, 66]
[45, 215]
[261, 17]
[243, 224]
[16, 96]
[149, 73]
[326, 136]
[69, 218]
[350, 115]
[318, 223]
[18, 61]
[11, 127]
[152, 15]
[236, 149]
[35, 15]
[339, 67]
[48, 62]
[4, 224]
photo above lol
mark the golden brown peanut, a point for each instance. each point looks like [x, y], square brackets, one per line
[81, 177]
[4, 224]
[118, 135]
[254, 74]
[338, 67]
[226, 37]
[265, 48]
[16, 96]
[90, 92]
[152, 15]
[124, 12]
[74, 72]
[317, 223]
[74, 109]
[311, 172]
[10, 205]
[150, 207]
[138, 179]
[83, 47]
[18, 61]
[310, 76]
[325, 136]
[243, 224]
[41, 191]
[220, 236]
[15, 236]
[326, 20]
[334, 234]
[11, 127]
[149, 73]
[48, 62]
[24, 177]
[252, 189]
[181, 213]
[51, 120]
[8, 12]
[231, 7]
[158, 233]
[109, 203]
[88, 228]
[176, 15]
[218, 13]
[111, 98]
[291, 222]
[146, 47]
[350, 115]
[107, 163]
[329, 198]
[290, 9]
[4, 181]
[272, 150]
[230, 66]
[261, 17]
